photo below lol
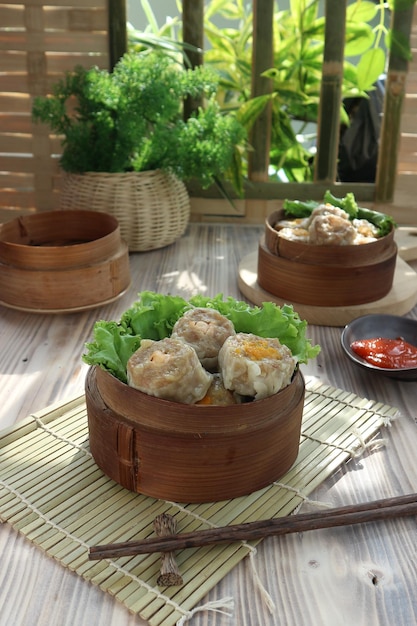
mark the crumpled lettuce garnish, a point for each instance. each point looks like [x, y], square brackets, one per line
[153, 316]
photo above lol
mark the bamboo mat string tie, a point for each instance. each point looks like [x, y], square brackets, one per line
[386, 420]
[264, 593]
[223, 606]
[356, 450]
[53, 433]
[372, 445]
[192, 513]
[302, 496]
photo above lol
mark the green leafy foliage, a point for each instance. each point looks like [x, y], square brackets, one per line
[132, 119]
[153, 316]
[370, 67]
[296, 72]
[297, 68]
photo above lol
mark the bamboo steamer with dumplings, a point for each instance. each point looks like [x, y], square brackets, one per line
[201, 408]
[325, 275]
[188, 452]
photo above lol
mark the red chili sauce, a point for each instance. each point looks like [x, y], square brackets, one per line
[386, 353]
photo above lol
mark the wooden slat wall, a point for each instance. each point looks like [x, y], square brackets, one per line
[406, 182]
[403, 208]
[38, 42]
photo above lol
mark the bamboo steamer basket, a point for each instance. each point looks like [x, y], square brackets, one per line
[62, 261]
[190, 453]
[325, 275]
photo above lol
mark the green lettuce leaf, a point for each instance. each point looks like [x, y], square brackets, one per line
[269, 320]
[111, 349]
[153, 316]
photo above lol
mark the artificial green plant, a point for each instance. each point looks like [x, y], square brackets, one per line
[131, 119]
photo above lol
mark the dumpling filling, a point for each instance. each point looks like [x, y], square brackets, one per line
[331, 230]
[217, 394]
[168, 369]
[327, 226]
[205, 330]
[255, 366]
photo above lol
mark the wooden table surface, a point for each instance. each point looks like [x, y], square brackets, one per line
[357, 575]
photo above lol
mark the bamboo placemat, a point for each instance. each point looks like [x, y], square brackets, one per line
[54, 494]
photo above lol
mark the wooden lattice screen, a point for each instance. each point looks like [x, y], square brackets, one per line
[38, 41]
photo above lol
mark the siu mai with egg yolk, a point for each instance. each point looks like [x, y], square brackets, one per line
[255, 366]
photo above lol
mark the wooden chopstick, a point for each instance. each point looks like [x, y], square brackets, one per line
[387, 508]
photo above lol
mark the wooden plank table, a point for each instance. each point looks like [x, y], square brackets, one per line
[349, 575]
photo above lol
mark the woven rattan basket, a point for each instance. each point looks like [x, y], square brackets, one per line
[152, 208]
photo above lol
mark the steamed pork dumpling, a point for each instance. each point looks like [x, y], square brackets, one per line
[366, 231]
[326, 209]
[330, 225]
[168, 369]
[205, 330]
[331, 230]
[217, 394]
[294, 229]
[255, 366]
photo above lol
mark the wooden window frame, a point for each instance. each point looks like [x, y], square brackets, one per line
[382, 190]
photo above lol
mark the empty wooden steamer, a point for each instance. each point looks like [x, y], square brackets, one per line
[325, 275]
[58, 261]
[191, 453]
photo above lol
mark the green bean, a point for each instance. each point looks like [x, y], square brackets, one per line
[383, 222]
[300, 208]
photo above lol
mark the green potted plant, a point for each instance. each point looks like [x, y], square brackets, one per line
[127, 148]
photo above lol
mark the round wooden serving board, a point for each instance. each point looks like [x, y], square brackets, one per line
[400, 300]
[406, 240]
